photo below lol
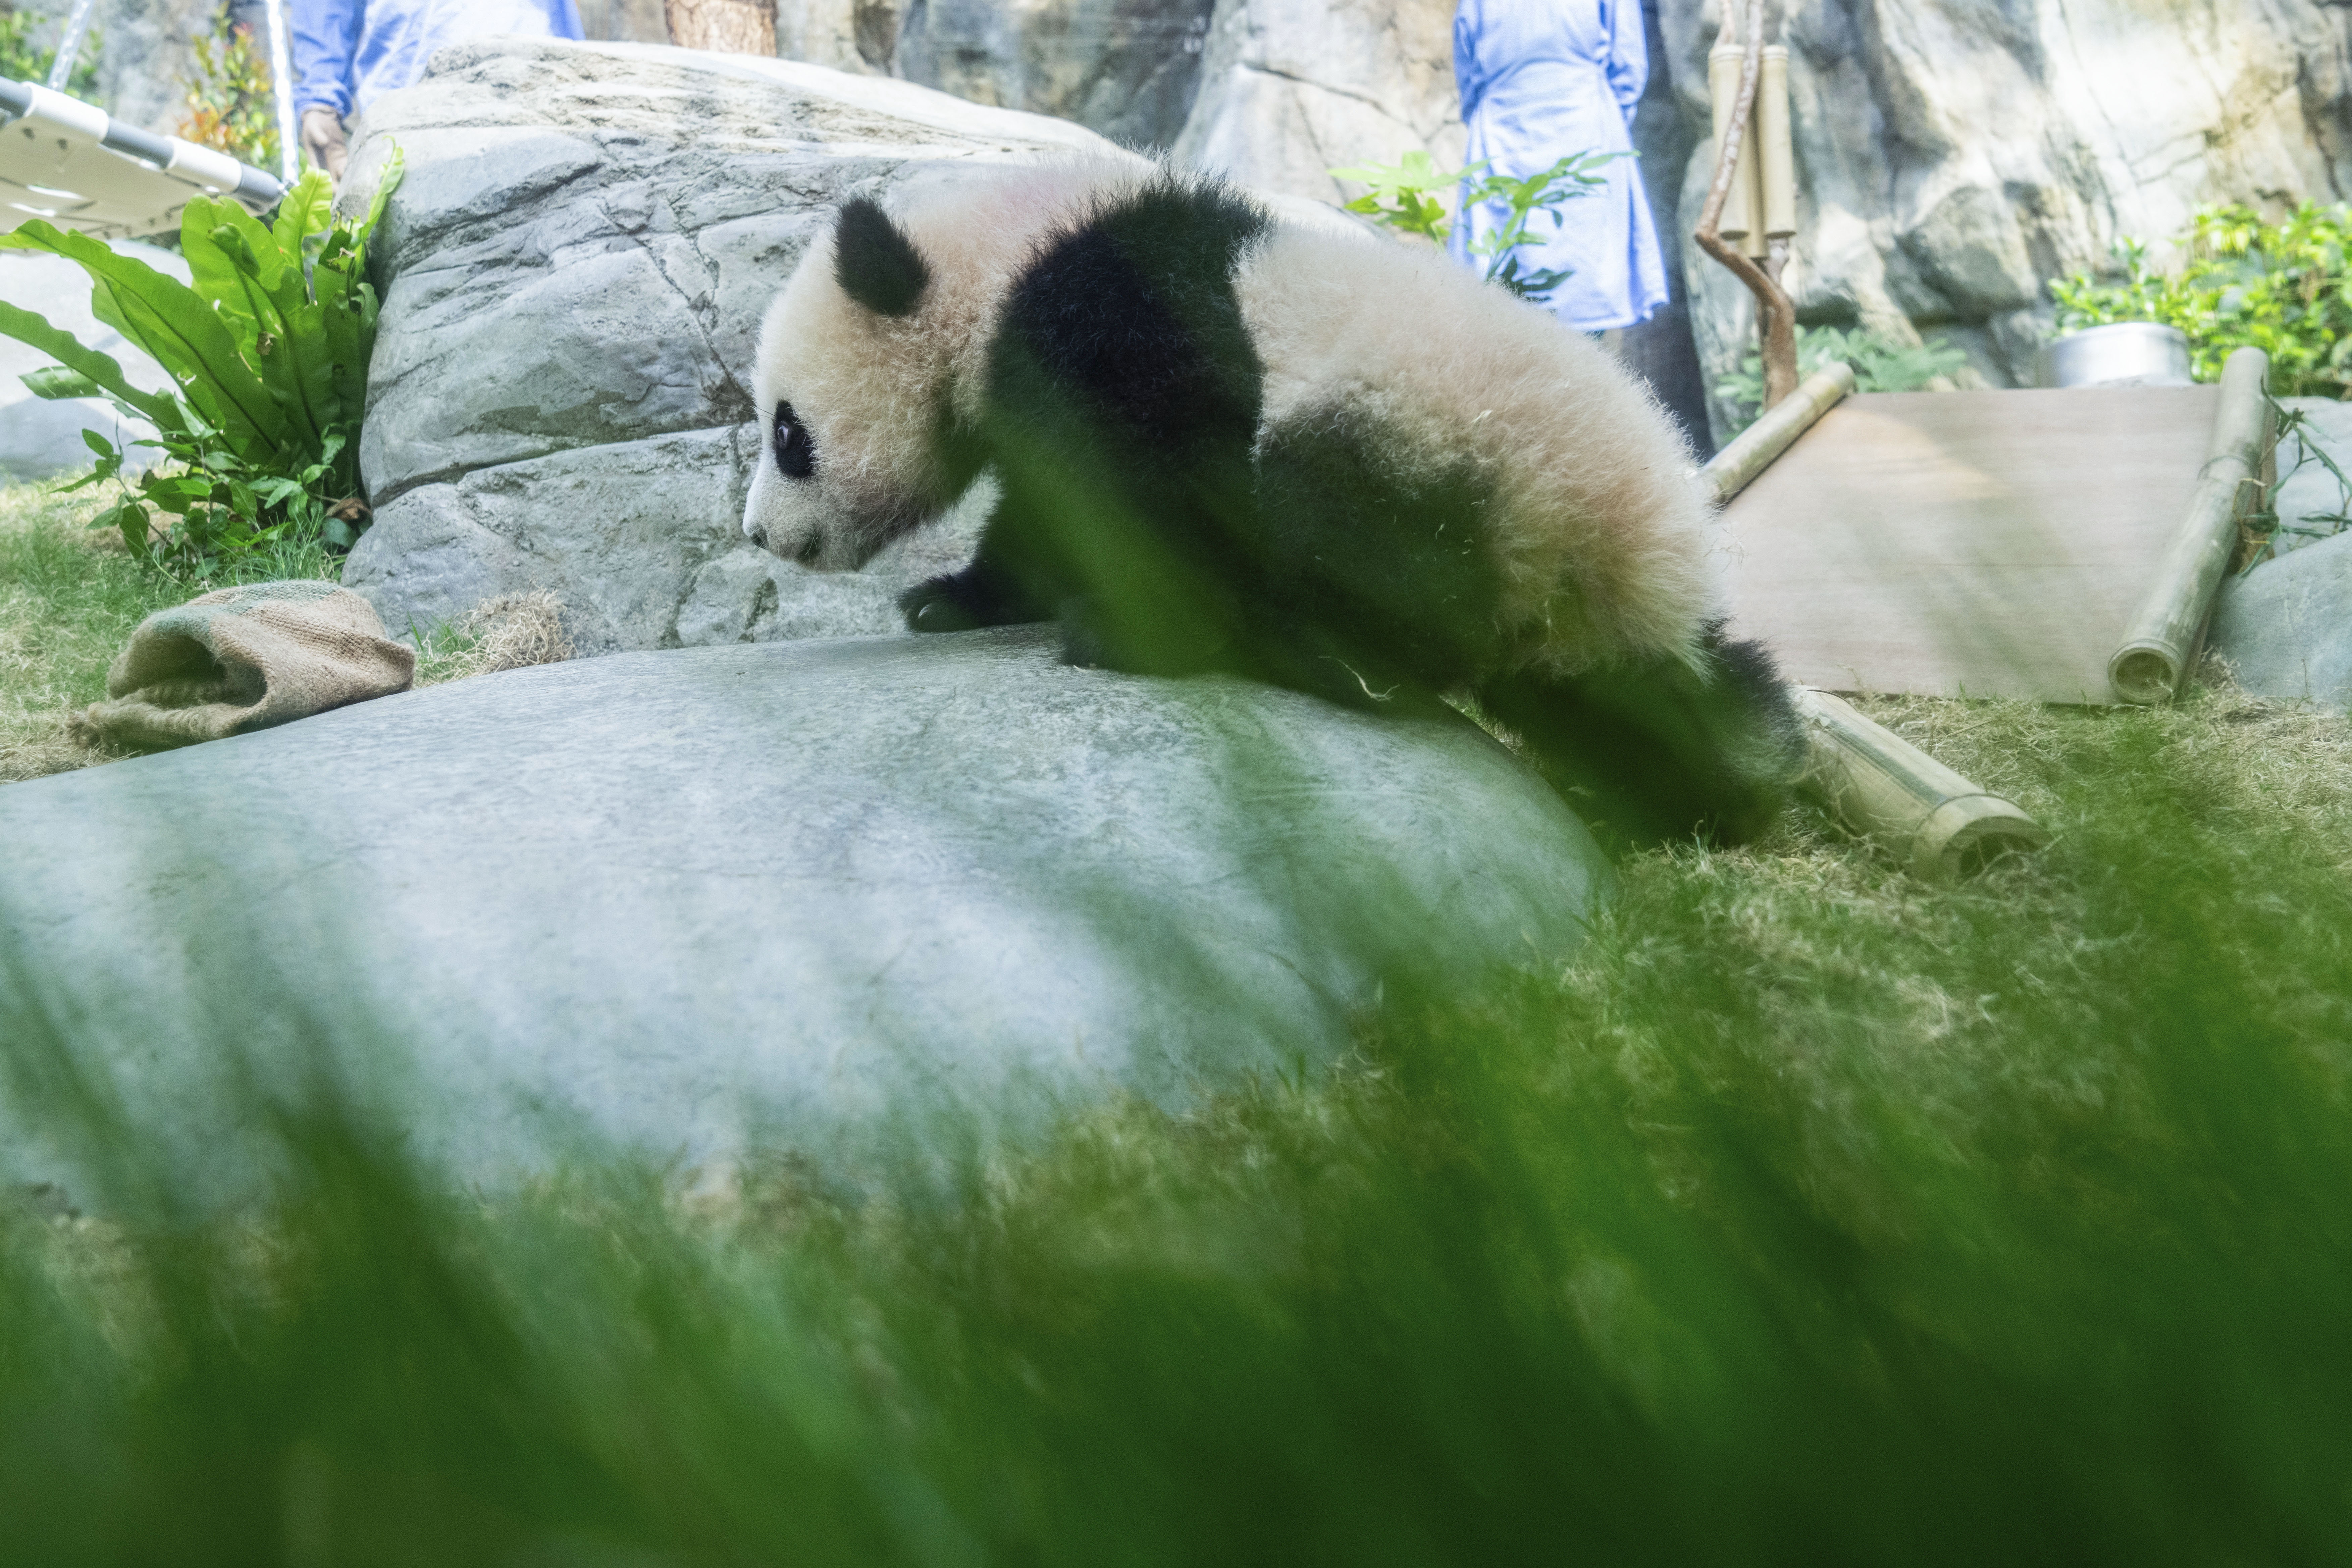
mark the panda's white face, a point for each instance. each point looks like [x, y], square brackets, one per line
[849, 412]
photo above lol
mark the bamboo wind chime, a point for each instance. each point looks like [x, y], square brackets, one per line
[1751, 205]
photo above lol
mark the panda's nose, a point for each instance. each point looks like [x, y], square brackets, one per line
[755, 534]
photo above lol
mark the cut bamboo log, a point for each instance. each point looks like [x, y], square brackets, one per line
[2160, 643]
[1743, 209]
[1776, 313]
[1751, 451]
[1939, 825]
[1880, 785]
[1776, 160]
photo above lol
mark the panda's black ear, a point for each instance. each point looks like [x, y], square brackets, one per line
[875, 262]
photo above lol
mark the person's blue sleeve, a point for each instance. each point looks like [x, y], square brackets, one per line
[563, 20]
[1628, 54]
[1466, 79]
[326, 35]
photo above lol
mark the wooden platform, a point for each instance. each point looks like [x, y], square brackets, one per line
[1976, 543]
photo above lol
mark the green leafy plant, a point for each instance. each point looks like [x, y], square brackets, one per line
[24, 60]
[1880, 364]
[1404, 196]
[1400, 194]
[2285, 288]
[230, 108]
[2260, 528]
[268, 348]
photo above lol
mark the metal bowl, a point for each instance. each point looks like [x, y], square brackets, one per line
[2128, 354]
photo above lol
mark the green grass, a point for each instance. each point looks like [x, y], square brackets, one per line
[69, 599]
[1811, 1214]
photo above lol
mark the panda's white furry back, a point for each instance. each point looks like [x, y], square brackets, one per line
[1225, 441]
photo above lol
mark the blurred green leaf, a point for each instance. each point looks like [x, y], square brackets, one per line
[99, 371]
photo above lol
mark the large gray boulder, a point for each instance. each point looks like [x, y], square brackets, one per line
[2285, 627]
[574, 273]
[813, 896]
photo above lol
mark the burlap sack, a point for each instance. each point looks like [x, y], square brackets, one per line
[244, 658]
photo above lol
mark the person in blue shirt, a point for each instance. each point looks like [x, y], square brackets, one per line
[348, 52]
[1540, 79]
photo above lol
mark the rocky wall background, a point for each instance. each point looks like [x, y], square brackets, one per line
[1954, 153]
[1127, 69]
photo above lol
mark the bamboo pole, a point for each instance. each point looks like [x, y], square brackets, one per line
[1751, 451]
[1775, 314]
[2162, 638]
[1940, 826]
[1776, 156]
[1743, 204]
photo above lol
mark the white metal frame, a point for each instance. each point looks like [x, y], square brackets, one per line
[67, 161]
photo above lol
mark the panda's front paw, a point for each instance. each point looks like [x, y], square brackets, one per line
[1083, 644]
[935, 605]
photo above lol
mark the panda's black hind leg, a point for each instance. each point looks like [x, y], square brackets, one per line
[1649, 753]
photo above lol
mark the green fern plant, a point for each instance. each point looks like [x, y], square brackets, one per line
[267, 346]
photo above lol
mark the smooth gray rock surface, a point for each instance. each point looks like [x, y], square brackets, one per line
[843, 897]
[1292, 88]
[574, 268]
[2285, 627]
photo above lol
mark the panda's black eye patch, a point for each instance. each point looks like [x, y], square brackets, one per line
[795, 448]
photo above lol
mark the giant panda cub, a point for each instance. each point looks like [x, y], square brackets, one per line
[1226, 441]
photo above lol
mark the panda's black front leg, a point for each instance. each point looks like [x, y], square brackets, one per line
[990, 592]
[982, 594]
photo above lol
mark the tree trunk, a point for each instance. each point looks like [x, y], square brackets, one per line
[724, 27]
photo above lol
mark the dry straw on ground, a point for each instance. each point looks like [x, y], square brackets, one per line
[512, 631]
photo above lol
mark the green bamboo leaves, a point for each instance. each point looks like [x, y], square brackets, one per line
[267, 347]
